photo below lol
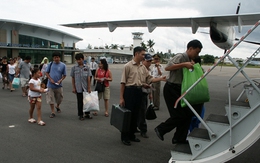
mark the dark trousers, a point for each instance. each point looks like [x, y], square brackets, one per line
[93, 72]
[133, 102]
[141, 122]
[179, 117]
[80, 104]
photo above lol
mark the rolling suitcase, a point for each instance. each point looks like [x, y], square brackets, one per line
[120, 118]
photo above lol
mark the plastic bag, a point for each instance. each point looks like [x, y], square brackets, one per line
[200, 93]
[16, 83]
[90, 101]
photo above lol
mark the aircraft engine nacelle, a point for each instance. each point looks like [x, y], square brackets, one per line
[222, 35]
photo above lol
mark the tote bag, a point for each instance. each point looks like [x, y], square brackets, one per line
[200, 93]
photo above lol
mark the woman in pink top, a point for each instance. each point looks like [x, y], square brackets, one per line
[103, 74]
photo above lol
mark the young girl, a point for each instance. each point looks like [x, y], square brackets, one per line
[35, 91]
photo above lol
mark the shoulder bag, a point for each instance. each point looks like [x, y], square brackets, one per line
[100, 86]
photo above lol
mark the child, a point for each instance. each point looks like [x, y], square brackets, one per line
[35, 91]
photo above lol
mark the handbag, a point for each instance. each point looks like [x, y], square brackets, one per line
[150, 113]
[90, 101]
[200, 93]
[100, 86]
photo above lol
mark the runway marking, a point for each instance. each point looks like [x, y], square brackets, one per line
[11, 126]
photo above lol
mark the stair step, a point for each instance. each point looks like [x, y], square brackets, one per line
[238, 103]
[200, 133]
[182, 148]
[218, 119]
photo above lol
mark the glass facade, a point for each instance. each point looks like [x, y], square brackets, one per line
[38, 55]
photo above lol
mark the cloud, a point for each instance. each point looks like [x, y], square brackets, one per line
[51, 13]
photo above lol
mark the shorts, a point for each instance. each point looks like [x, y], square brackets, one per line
[54, 94]
[33, 100]
[105, 94]
[24, 82]
[11, 77]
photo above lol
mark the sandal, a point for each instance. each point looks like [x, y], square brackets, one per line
[41, 123]
[31, 120]
[106, 115]
[52, 115]
[81, 118]
[95, 114]
[58, 110]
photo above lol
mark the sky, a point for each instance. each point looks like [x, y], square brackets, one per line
[52, 13]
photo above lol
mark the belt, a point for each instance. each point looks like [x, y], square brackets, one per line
[132, 86]
[173, 84]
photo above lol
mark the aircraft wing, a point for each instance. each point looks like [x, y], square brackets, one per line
[193, 22]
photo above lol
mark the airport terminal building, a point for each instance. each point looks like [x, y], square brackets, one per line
[26, 39]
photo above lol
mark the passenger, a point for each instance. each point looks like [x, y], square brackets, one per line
[134, 76]
[43, 67]
[24, 70]
[11, 73]
[179, 117]
[142, 125]
[157, 71]
[56, 73]
[80, 75]
[93, 67]
[103, 74]
[35, 91]
[4, 72]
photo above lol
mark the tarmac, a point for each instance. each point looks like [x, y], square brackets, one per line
[66, 139]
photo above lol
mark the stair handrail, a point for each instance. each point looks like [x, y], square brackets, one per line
[240, 70]
[208, 71]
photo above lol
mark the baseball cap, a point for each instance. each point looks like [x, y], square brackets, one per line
[148, 57]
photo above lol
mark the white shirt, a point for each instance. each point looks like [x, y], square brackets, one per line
[154, 71]
[11, 69]
[44, 67]
[93, 65]
[37, 85]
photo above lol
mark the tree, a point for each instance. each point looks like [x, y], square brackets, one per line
[208, 58]
[122, 47]
[143, 45]
[150, 44]
[113, 46]
[106, 46]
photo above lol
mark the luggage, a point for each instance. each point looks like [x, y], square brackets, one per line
[120, 118]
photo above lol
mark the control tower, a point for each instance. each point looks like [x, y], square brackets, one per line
[137, 37]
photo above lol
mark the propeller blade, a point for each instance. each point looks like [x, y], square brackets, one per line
[251, 42]
[238, 8]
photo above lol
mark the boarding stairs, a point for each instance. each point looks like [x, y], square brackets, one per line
[223, 136]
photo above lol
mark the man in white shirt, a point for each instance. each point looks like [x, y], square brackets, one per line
[93, 67]
[157, 71]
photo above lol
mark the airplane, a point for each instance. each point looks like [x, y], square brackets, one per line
[221, 28]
